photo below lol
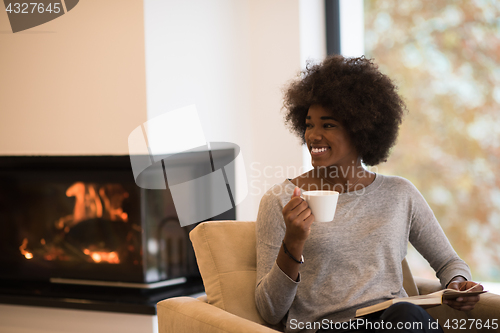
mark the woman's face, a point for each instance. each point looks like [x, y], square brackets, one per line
[327, 140]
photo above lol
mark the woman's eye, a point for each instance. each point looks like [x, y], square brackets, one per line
[329, 125]
[308, 125]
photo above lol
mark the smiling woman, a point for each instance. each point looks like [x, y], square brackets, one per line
[347, 112]
[358, 95]
[327, 140]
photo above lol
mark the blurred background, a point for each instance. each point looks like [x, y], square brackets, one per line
[445, 57]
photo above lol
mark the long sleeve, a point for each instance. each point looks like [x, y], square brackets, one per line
[428, 238]
[346, 259]
[275, 291]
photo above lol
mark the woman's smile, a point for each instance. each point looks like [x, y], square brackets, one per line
[327, 139]
[319, 151]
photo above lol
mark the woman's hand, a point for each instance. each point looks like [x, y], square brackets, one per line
[298, 219]
[463, 303]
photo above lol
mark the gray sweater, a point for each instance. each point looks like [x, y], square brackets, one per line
[353, 261]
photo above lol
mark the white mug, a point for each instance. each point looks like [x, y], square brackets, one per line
[322, 203]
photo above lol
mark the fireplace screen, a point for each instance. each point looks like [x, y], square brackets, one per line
[83, 217]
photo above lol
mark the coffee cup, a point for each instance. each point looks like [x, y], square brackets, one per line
[322, 203]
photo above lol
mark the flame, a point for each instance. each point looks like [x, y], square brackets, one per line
[94, 202]
[87, 205]
[22, 248]
[101, 256]
[113, 196]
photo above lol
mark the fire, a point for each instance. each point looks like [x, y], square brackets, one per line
[92, 201]
[113, 196]
[87, 204]
[22, 248]
[101, 256]
[96, 257]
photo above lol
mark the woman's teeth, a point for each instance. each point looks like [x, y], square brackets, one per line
[318, 150]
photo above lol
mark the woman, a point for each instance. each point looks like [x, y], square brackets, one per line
[313, 275]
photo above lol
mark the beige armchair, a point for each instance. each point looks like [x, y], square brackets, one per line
[225, 251]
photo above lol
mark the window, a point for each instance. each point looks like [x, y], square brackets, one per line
[445, 58]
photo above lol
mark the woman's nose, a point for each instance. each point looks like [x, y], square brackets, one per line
[315, 135]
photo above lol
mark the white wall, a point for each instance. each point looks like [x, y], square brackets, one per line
[312, 46]
[275, 61]
[352, 28]
[312, 31]
[231, 59]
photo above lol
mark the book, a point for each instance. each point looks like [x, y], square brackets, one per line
[425, 301]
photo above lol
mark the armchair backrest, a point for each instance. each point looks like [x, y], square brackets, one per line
[227, 259]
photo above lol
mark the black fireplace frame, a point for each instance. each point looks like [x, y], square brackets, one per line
[99, 168]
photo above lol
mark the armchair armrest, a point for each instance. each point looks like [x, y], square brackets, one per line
[488, 307]
[187, 314]
[427, 286]
[203, 298]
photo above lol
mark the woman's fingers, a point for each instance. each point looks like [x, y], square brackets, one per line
[475, 286]
[294, 208]
[304, 215]
[463, 303]
[298, 217]
[470, 300]
[469, 285]
[465, 285]
[462, 306]
[296, 192]
[310, 219]
[293, 204]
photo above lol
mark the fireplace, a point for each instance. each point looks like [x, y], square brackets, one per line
[83, 220]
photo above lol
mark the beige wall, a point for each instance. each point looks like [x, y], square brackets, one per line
[75, 85]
